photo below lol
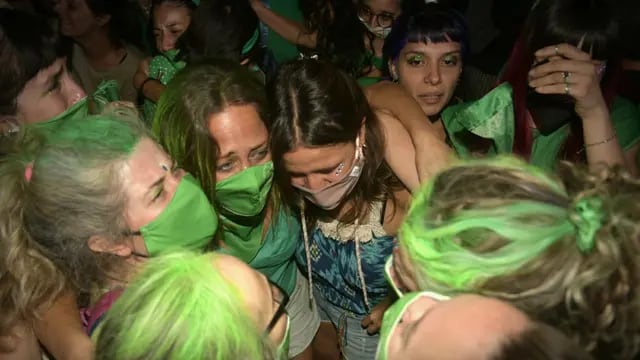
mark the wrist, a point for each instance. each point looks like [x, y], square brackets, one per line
[593, 105]
[600, 111]
[145, 83]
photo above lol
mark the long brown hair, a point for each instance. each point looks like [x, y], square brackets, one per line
[316, 104]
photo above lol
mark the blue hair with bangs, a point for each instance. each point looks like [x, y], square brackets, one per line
[433, 22]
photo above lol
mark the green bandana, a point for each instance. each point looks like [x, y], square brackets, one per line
[241, 199]
[106, 92]
[491, 117]
[188, 221]
[76, 111]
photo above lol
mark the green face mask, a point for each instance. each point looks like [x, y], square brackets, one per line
[393, 315]
[105, 93]
[245, 193]
[76, 111]
[387, 272]
[188, 221]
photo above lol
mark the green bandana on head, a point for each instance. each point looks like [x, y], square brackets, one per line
[188, 221]
[392, 318]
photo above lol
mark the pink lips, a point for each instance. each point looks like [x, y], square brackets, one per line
[431, 99]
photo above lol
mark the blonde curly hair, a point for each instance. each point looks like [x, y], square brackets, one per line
[564, 249]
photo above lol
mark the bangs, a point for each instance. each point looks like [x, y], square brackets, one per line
[432, 25]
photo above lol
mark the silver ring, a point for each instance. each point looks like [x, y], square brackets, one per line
[556, 50]
[566, 76]
[567, 89]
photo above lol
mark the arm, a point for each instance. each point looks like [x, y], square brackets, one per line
[601, 143]
[431, 151]
[291, 31]
[150, 89]
[571, 71]
[399, 151]
[60, 330]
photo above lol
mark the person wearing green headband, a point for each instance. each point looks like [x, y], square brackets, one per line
[425, 326]
[561, 249]
[88, 203]
[195, 306]
[212, 119]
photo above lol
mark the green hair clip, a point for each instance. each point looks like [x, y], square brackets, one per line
[587, 217]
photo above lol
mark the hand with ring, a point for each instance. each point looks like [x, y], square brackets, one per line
[569, 71]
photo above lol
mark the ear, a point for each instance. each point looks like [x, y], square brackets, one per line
[103, 19]
[393, 71]
[100, 244]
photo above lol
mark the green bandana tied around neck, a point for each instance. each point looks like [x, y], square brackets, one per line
[393, 315]
[106, 92]
[241, 199]
[188, 221]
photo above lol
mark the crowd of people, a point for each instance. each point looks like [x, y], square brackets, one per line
[319, 179]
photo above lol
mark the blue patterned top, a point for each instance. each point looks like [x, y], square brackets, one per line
[335, 267]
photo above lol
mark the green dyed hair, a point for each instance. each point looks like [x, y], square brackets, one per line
[563, 249]
[180, 307]
[75, 192]
[181, 121]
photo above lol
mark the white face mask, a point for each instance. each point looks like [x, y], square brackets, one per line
[330, 196]
[378, 31]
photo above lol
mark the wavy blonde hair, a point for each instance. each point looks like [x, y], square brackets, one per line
[505, 229]
[75, 191]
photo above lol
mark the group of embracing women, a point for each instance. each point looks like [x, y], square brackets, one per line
[248, 212]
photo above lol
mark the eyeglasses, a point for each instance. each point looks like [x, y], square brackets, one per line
[282, 299]
[383, 19]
